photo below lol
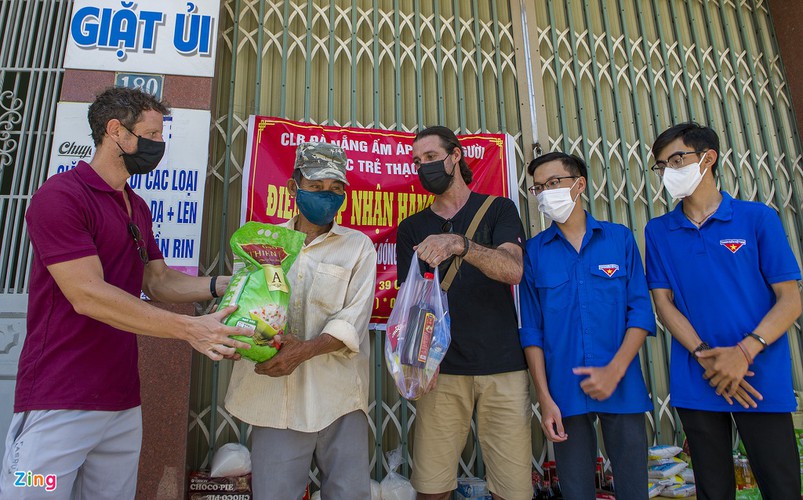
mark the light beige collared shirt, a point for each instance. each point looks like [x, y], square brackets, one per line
[331, 291]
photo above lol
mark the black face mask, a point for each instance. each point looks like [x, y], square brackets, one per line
[148, 155]
[434, 178]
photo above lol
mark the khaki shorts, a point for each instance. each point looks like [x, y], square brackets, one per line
[443, 418]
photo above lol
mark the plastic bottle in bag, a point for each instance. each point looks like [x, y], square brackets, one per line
[739, 472]
[556, 482]
[548, 492]
[748, 480]
[599, 478]
[539, 489]
[420, 326]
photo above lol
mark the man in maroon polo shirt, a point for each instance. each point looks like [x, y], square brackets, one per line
[77, 405]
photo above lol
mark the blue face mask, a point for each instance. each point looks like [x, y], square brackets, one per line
[319, 207]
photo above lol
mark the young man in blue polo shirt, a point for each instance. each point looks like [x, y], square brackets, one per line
[585, 313]
[724, 282]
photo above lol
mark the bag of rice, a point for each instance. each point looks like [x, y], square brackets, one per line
[688, 475]
[654, 489]
[263, 253]
[666, 470]
[662, 451]
[679, 491]
[664, 461]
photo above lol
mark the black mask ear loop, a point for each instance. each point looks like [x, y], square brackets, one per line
[122, 151]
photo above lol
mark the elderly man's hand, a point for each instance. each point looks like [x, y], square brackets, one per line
[293, 352]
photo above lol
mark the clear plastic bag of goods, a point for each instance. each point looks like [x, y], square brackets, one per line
[376, 490]
[263, 253]
[679, 491]
[395, 486]
[231, 459]
[418, 333]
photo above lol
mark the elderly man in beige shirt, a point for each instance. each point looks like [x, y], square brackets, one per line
[311, 399]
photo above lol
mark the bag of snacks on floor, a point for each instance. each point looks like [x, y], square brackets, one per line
[417, 333]
[230, 460]
[263, 253]
[395, 486]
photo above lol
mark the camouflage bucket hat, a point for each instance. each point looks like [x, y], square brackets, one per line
[321, 160]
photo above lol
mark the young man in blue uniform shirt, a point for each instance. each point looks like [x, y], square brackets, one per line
[585, 313]
[724, 282]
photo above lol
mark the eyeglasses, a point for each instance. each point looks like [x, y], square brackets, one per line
[552, 183]
[674, 161]
[447, 226]
[141, 250]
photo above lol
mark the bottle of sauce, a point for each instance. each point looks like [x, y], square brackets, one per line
[420, 326]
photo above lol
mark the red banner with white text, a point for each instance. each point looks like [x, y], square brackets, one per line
[383, 185]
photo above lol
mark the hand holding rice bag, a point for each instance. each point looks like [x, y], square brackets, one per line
[263, 253]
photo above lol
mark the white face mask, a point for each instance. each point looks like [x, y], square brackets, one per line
[557, 204]
[681, 182]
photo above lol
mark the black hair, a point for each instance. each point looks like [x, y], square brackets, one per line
[449, 142]
[574, 164]
[126, 105]
[693, 135]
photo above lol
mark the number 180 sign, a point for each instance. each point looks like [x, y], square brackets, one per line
[152, 84]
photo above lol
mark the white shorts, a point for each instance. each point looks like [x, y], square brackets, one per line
[72, 454]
